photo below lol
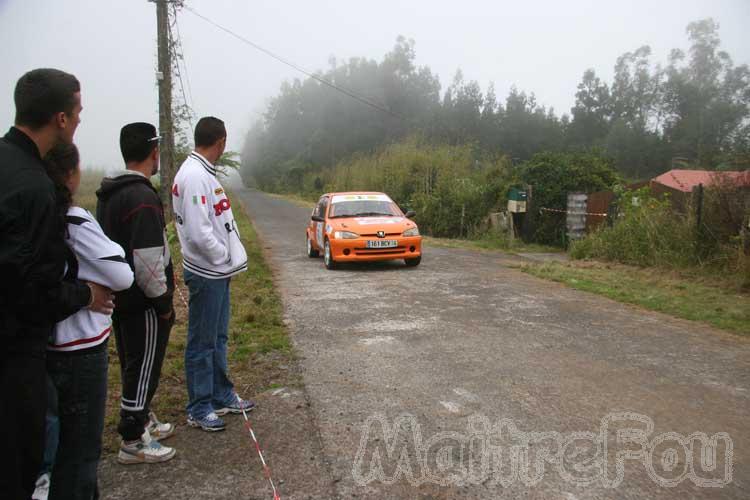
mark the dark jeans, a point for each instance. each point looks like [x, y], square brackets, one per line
[80, 380]
[23, 404]
[52, 437]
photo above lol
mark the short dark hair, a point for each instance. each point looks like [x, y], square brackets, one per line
[41, 93]
[209, 130]
[137, 141]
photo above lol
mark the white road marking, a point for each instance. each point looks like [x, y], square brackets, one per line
[377, 340]
[451, 406]
[466, 394]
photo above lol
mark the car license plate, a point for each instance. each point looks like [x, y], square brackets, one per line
[381, 243]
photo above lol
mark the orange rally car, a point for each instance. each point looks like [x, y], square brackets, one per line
[361, 227]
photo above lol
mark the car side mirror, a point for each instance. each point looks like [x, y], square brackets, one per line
[410, 214]
[318, 218]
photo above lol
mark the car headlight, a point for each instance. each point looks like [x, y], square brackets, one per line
[345, 235]
[411, 232]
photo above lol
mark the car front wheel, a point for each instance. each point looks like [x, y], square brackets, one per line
[413, 262]
[311, 252]
[327, 257]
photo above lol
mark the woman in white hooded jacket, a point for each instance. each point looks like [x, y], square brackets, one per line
[77, 352]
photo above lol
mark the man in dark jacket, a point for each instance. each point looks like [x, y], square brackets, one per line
[33, 296]
[131, 214]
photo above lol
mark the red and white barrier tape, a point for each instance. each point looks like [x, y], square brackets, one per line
[179, 290]
[557, 210]
[266, 469]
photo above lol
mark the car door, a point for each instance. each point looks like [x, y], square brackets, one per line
[318, 227]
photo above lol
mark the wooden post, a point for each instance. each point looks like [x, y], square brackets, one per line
[166, 129]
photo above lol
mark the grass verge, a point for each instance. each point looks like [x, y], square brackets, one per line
[491, 242]
[706, 301]
[260, 354]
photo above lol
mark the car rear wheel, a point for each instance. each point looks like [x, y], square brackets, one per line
[327, 257]
[311, 252]
[413, 262]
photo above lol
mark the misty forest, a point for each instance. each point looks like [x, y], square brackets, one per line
[690, 112]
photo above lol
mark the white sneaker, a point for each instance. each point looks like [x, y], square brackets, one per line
[157, 429]
[41, 492]
[144, 451]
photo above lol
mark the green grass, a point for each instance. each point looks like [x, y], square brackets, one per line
[300, 201]
[709, 302]
[256, 324]
[86, 195]
[493, 242]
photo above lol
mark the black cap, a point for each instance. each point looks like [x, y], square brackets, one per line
[137, 140]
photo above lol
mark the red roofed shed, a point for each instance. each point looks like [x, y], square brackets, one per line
[686, 180]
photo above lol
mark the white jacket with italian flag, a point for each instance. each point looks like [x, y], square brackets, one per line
[211, 245]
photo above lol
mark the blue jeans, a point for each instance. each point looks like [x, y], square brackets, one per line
[52, 436]
[208, 382]
[81, 384]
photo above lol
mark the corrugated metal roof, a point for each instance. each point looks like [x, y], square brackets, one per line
[686, 180]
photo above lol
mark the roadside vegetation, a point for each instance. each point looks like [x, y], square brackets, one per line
[699, 297]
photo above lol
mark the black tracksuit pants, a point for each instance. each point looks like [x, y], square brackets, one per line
[141, 339]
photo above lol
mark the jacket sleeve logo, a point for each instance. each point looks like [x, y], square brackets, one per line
[222, 206]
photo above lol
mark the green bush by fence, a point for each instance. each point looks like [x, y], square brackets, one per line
[650, 233]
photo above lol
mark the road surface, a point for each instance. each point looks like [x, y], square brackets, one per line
[466, 378]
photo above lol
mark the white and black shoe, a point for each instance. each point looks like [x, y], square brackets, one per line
[157, 429]
[144, 451]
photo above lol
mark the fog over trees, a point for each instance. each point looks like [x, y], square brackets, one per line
[691, 110]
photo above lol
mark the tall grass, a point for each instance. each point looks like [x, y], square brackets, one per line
[451, 189]
[86, 195]
[650, 233]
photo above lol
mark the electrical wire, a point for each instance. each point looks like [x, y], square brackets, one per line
[184, 62]
[350, 93]
[178, 45]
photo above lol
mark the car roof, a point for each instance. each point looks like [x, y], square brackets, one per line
[340, 193]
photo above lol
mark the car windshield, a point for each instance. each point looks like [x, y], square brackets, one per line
[363, 208]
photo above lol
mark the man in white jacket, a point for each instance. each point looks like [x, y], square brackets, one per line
[212, 253]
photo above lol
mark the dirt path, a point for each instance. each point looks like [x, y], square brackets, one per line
[462, 342]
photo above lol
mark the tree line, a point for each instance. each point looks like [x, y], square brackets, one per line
[692, 112]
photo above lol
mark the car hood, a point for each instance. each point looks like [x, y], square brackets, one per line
[371, 225]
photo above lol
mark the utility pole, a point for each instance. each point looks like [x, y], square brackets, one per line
[166, 129]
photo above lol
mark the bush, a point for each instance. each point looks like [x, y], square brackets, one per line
[554, 175]
[649, 232]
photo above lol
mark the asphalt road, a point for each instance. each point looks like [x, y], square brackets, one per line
[497, 371]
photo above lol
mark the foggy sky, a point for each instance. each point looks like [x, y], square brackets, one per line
[540, 46]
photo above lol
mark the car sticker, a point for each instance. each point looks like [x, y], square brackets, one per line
[370, 221]
[319, 234]
[350, 197]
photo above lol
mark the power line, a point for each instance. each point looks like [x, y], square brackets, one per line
[178, 45]
[350, 93]
[184, 62]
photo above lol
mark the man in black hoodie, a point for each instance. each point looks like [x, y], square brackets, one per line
[131, 214]
[33, 296]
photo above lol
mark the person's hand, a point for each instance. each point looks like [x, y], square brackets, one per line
[102, 299]
[167, 316]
